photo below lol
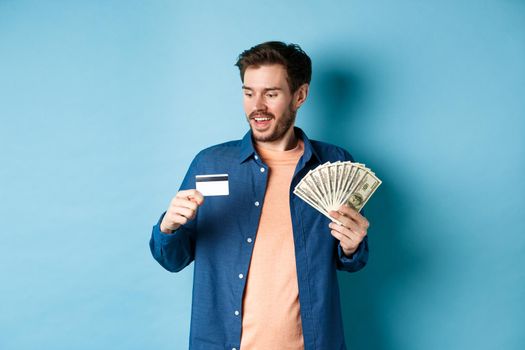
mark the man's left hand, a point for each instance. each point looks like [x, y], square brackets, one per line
[353, 230]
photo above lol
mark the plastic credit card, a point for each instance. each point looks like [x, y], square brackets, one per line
[212, 185]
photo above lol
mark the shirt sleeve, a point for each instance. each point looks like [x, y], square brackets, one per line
[175, 251]
[359, 258]
[355, 262]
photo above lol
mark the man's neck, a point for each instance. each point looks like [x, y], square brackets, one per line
[285, 143]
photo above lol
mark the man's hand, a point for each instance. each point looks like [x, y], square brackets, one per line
[182, 209]
[353, 230]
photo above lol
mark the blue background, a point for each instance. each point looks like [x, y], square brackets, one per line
[103, 104]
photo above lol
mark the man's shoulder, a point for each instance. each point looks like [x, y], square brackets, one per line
[328, 152]
[228, 150]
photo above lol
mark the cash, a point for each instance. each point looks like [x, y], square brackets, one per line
[331, 185]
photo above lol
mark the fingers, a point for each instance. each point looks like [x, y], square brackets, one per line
[348, 240]
[353, 229]
[354, 234]
[192, 194]
[347, 222]
[354, 214]
[178, 219]
[183, 208]
[347, 214]
[185, 212]
[175, 217]
[184, 203]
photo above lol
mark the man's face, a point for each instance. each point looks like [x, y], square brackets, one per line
[268, 102]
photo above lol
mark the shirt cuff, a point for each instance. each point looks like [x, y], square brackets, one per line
[160, 236]
[354, 257]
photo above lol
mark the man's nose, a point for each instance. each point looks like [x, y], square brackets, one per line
[260, 104]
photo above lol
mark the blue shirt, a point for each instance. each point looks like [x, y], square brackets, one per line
[221, 237]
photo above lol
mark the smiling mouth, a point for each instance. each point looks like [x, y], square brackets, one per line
[261, 122]
[261, 119]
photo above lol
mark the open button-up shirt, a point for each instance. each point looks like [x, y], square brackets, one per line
[220, 241]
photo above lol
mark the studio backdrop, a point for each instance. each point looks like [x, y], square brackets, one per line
[103, 105]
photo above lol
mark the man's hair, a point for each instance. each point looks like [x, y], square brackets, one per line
[296, 62]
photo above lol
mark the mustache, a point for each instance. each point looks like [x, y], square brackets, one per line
[260, 114]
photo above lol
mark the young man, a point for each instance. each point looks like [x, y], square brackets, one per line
[265, 261]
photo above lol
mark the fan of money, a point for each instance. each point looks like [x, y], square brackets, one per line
[331, 185]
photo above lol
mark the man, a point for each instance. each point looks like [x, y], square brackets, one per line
[265, 261]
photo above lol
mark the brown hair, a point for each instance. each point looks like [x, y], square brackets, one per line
[297, 63]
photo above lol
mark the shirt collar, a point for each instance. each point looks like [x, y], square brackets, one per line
[247, 150]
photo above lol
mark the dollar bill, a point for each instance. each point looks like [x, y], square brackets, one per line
[363, 191]
[331, 185]
[305, 196]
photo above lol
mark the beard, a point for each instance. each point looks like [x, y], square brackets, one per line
[278, 130]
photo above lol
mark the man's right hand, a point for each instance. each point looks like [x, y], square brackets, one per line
[183, 208]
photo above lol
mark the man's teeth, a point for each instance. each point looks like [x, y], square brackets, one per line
[262, 119]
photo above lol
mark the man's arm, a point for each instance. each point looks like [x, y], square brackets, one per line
[172, 241]
[352, 250]
[173, 251]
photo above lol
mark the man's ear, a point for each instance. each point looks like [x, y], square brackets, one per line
[300, 95]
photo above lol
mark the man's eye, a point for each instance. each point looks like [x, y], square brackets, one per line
[271, 95]
[247, 94]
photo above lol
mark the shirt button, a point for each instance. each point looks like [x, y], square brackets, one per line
[249, 240]
[256, 203]
[236, 313]
[262, 170]
[256, 157]
[236, 348]
[241, 275]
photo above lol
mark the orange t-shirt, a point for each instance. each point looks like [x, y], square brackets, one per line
[271, 313]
